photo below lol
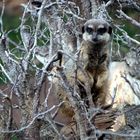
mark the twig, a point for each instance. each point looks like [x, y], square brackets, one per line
[39, 85]
[51, 44]
[134, 84]
[23, 15]
[1, 16]
[6, 74]
[136, 6]
[57, 110]
[78, 107]
[47, 96]
[132, 21]
[119, 134]
[32, 121]
[36, 33]
[127, 36]
[74, 15]
[109, 3]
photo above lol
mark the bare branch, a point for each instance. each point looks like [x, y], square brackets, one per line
[36, 33]
[127, 37]
[109, 3]
[134, 84]
[32, 121]
[1, 16]
[77, 105]
[6, 74]
[74, 15]
[132, 21]
[123, 135]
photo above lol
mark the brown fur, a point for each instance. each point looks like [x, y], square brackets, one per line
[96, 61]
[95, 58]
[92, 77]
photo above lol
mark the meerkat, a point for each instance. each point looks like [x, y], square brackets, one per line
[94, 58]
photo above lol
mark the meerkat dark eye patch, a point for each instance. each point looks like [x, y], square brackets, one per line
[37, 3]
[83, 29]
[101, 30]
[110, 30]
[89, 30]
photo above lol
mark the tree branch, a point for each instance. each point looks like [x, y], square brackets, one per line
[132, 21]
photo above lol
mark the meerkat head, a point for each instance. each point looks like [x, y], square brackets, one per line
[97, 31]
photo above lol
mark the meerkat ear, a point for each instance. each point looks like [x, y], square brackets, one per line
[83, 29]
[110, 30]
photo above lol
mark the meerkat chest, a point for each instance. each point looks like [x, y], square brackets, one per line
[94, 60]
[92, 51]
[94, 56]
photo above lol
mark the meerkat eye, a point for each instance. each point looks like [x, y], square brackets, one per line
[36, 3]
[89, 30]
[101, 30]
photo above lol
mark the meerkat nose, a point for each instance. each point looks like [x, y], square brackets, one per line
[94, 39]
